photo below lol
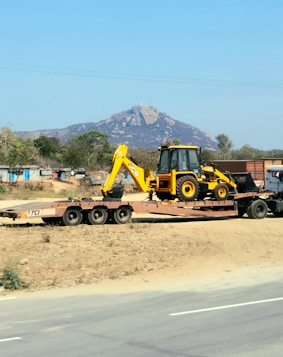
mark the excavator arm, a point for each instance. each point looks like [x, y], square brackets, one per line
[137, 173]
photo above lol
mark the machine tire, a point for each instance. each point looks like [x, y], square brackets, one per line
[122, 215]
[257, 209]
[72, 217]
[221, 192]
[98, 215]
[187, 188]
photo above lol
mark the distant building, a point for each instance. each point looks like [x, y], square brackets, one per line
[256, 168]
[23, 173]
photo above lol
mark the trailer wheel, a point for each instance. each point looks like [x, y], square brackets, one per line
[257, 209]
[187, 188]
[72, 217]
[98, 215]
[122, 214]
[221, 192]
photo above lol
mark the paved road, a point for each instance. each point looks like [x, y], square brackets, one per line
[242, 322]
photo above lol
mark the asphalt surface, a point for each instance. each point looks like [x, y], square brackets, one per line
[243, 321]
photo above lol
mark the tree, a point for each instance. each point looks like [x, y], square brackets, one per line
[145, 158]
[47, 146]
[247, 153]
[15, 151]
[22, 153]
[169, 142]
[7, 139]
[225, 146]
[207, 156]
[71, 156]
[90, 150]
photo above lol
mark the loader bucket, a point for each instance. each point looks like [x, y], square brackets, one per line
[245, 182]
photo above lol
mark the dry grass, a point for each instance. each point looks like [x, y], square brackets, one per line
[48, 188]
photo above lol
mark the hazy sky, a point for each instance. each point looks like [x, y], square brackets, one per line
[214, 64]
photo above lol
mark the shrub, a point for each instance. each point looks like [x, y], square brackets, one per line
[46, 238]
[11, 278]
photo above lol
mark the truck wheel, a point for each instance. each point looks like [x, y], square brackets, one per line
[187, 188]
[98, 215]
[72, 217]
[221, 192]
[122, 214]
[257, 209]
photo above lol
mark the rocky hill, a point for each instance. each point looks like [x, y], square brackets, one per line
[141, 127]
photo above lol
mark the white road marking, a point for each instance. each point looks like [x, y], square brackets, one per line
[27, 321]
[226, 306]
[7, 298]
[54, 328]
[10, 339]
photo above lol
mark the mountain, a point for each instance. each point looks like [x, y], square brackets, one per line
[140, 127]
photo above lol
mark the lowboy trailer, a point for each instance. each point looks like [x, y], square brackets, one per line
[86, 210]
[72, 213]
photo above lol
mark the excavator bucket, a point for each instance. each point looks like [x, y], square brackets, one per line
[245, 182]
[116, 192]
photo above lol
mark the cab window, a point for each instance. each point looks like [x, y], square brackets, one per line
[163, 166]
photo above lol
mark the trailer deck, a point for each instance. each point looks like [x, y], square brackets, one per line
[73, 212]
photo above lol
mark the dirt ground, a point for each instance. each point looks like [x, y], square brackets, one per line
[151, 252]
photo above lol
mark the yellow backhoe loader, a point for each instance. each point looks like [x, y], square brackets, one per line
[180, 175]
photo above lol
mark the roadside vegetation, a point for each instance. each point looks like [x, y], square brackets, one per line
[10, 279]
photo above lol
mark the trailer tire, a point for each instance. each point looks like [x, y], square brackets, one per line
[257, 209]
[72, 217]
[187, 188]
[221, 192]
[98, 215]
[122, 215]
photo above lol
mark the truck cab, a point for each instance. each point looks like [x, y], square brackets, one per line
[274, 178]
